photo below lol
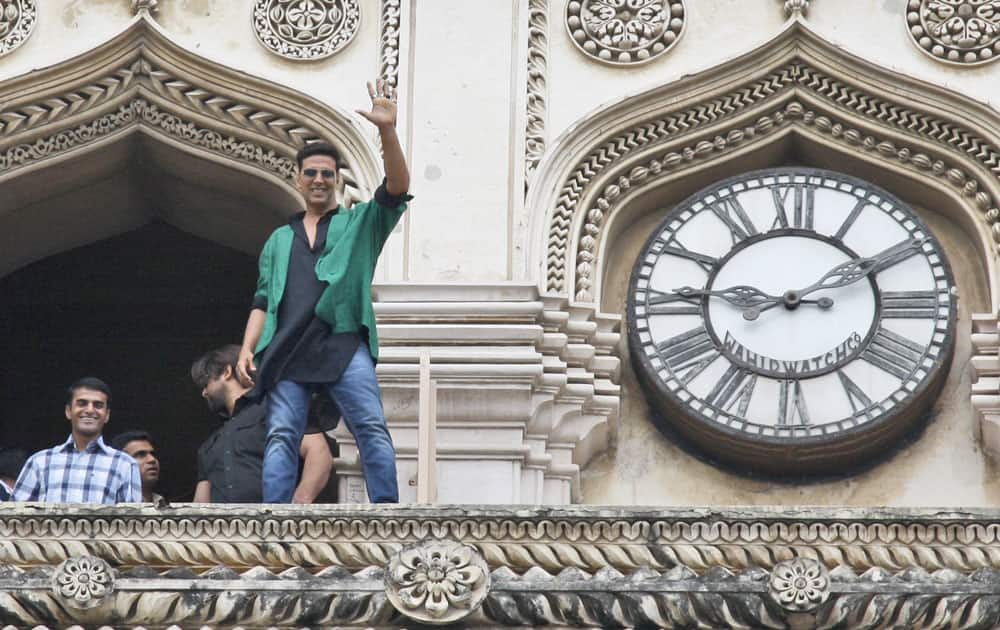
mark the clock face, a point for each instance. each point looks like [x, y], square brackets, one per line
[792, 320]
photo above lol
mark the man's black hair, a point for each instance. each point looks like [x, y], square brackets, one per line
[318, 148]
[122, 439]
[88, 382]
[11, 462]
[213, 363]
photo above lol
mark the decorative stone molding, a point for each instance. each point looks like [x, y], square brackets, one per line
[83, 582]
[17, 21]
[141, 80]
[961, 32]
[587, 538]
[388, 54]
[305, 30]
[438, 582]
[795, 84]
[796, 8]
[625, 33]
[150, 6]
[594, 567]
[985, 368]
[538, 50]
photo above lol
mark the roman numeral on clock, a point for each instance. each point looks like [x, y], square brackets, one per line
[893, 353]
[851, 218]
[660, 303]
[792, 404]
[801, 198]
[855, 395]
[736, 385]
[731, 212]
[674, 248]
[909, 304]
[689, 353]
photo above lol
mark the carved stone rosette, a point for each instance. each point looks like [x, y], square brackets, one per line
[439, 582]
[964, 32]
[305, 30]
[799, 585]
[83, 582]
[17, 21]
[625, 32]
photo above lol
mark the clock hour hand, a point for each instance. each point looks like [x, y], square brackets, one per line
[740, 295]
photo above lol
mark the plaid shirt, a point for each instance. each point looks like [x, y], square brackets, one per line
[98, 474]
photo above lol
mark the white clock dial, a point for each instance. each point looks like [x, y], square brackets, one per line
[792, 320]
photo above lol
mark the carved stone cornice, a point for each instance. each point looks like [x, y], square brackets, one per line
[356, 537]
[593, 567]
[140, 78]
[795, 84]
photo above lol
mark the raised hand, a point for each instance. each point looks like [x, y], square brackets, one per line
[383, 112]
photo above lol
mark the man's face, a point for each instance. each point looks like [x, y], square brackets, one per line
[317, 181]
[88, 412]
[149, 465]
[216, 394]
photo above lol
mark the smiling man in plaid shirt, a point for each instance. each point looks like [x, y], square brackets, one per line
[82, 469]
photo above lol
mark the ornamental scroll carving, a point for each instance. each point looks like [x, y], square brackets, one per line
[676, 598]
[625, 32]
[962, 32]
[142, 80]
[861, 119]
[305, 30]
[17, 21]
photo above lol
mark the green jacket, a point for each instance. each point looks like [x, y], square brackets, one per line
[354, 240]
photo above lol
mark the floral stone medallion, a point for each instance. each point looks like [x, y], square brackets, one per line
[305, 30]
[83, 582]
[17, 20]
[437, 582]
[625, 32]
[965, 32]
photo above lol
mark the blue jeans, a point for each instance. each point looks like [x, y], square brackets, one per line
[360, 401]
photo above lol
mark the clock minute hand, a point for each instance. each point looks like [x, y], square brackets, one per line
[740, 295]
[853, 270]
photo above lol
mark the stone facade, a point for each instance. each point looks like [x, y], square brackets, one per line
[546, 139]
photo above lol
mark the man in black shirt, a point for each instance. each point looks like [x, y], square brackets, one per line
[11, 462]
[230, 461]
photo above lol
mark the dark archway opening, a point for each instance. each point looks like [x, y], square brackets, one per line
[135, 310]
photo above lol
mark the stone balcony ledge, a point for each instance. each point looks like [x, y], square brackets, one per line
[487, 566]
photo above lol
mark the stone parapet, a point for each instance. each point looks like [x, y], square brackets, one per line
[377, 566]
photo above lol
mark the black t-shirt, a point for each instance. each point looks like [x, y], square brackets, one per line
[304, 348]
[232, 458]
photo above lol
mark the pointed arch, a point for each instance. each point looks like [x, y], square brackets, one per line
[795, 85]
[141, 80]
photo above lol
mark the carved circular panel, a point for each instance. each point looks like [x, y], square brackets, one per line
[305, 29]
[965, 32]
[17, 20]
[799, 585]
[83, 582]
[437, 582]
[625, 32]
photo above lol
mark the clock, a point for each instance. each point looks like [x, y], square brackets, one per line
[792, 321]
